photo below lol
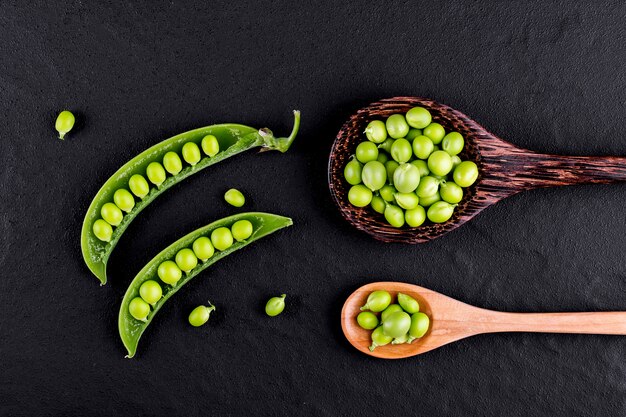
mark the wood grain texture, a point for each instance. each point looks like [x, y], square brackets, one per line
[504, 169]
[452, 320]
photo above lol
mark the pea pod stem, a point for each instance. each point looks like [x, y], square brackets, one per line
[233, 139]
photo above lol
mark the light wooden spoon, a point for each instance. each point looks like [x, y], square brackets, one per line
[452, 320]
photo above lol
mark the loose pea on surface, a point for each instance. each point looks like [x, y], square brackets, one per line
[102, 230]
[435, 132]
[138, 185]
[406, 178]
[169, 272]
[366, 151]
[415, 217]
[124, 199]
[203, 248]
[64, 123]
[367, 320]
[111, 214]
[440, 212]
[397, 126]
[378, 204]
[359, 195]
[376, 131]
[191, 153]
[155, 173]
[172, 163]
[139, 309]
[379, 338]
[401, 150]
[394, 215]
[200, 315]
[374, 175]
[151, 292]
[408, 303]
[451, 192]
[210, 145]
[234, 197]
[453, 143]
[275, 305]
[222, 238]
[352, 172]
[241, 230]
[186, 259]
[465, 174]
[377, 301]
[440, 163]
[418, 117]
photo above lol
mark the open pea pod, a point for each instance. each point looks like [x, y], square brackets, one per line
[99, 237]
[131, 328]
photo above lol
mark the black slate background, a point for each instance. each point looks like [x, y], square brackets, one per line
[549, 77]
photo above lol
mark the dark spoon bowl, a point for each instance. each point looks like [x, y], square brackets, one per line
[504, 169]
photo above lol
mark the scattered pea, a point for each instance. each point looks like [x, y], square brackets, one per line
[275, 305]
[111, 214]
[139, 309]
[124, 199]
[169, 272]
[102, 230]
[234, 197]
[65, 123]
[191, 153]
[210, 145]
[241, 230]
[221, 238]
[172, 163]
[203, 248]
[200, 315]
[151, 292]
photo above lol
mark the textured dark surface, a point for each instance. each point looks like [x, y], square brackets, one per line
[544, 77]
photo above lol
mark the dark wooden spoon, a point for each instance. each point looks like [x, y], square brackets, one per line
[452, 320]
[504, 169]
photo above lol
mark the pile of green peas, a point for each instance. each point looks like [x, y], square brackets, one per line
[112, 213]
[186, 259]
[398, 323]
[409, 169]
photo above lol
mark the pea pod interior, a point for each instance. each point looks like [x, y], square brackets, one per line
[232, 139]
[130, 328]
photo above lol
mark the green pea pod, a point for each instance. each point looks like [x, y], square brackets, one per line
[130, 328]
[232, 138]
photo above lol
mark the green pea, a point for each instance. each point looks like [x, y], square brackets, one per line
[406, 178]
[455, 161]
[352, 172]
[394, 215]
[397, 324]
[377, 301]
[435, 132]
[138, 185]
[200, 315]
[451, 193]
[65, 123]
[367, 320]
[391, 167]
[427, 187]
[359, 195]
[440, 163]
[397, 126]
[234, 197]
[241, 230]
[453, 143]
[376, 131]
[408, 303]
[401, 151]
[413, 133]
[374, 175]
[222, 238]
[407, 201]
[418, 117]
[386, 145]
[419, 326]
[210, 145]
[172, 163]
[379, 338]
[169, 272]
[388, 193]
[430, 200]
[186, 259]
[422, 166]
[382, 157]
[423, 147]
[275, 305]
[440, 212]
[392, 308]
[111, 214]
[151, 292]
[366, 151]
[124, 199]
[465, 174]
[378, 204]
[155, 173]
[415, 217]
[139, 309]
[203, 248]
[102, 230]
[191, 153]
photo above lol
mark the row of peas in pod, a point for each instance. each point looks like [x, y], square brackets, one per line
[186, 259]
[409, 169]
[112, 213]
[397, 323]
